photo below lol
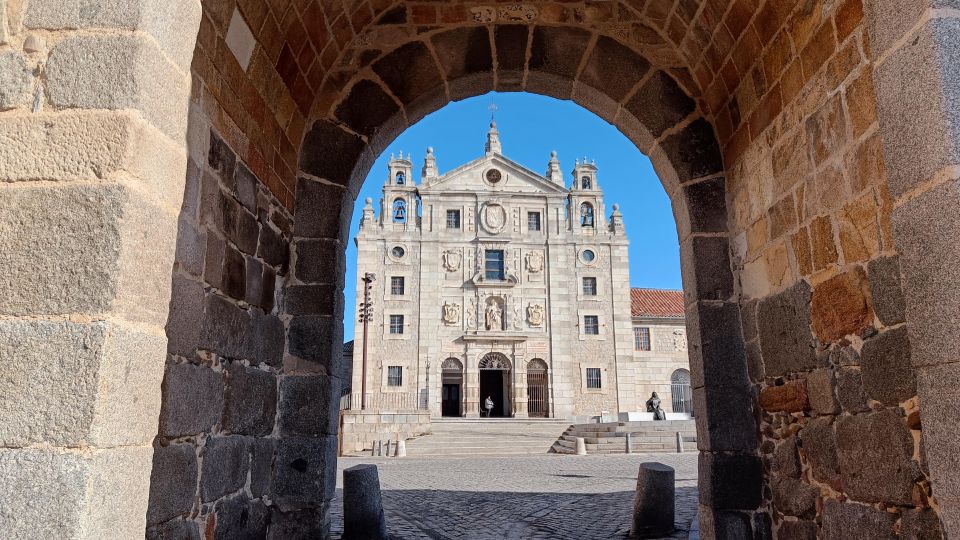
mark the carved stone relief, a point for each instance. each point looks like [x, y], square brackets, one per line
[452, 258]
[451, 313]
[493, 217]
[472, 315]
[535, 262]
[493, 315]
[679, 341]
[535, 314]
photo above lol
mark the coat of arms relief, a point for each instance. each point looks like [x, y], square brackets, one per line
[535, 262]
[451, 259]
[451, 313]
[535, 314]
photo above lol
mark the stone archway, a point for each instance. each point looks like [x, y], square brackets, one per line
[289, 103]
[538, 389]
[496, 382]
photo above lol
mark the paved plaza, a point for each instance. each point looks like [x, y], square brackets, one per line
[548, 496]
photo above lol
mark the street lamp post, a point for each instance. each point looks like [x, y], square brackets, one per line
[366, 315]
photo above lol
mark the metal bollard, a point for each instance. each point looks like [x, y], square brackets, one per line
[387, 452]
[378, 448]
[679, 443]
[629, 443]
[653, 505]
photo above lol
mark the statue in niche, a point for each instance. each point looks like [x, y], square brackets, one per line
[535, 313]
[452, 259]
[472, 315]
[451, 313]
[679, 341]
[535, 262]
[653, 406]
[494, 316]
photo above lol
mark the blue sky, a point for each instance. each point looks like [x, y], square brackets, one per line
[530, 127]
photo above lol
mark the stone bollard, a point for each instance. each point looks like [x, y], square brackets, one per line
[581, 447]
[629, 443]
[401, 448]
[363, 517]
[653, 504]
[679, 443]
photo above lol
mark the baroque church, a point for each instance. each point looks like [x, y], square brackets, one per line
[494, 281]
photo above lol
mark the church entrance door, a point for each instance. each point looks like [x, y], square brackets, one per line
[495, 382]
[452, 377]
[450, 404]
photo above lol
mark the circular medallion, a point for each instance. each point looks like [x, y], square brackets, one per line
[494, 176]
[398, 252]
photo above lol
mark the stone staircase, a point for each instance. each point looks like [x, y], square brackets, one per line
[461, 437]
[610, 437]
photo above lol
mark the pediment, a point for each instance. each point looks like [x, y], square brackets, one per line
[515, 178]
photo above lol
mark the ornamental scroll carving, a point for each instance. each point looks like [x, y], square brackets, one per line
[451, 313]
[452, 259]
[535, 314]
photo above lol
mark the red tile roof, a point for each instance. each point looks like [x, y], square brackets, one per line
[659, 303]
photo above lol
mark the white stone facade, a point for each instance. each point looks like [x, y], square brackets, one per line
[494, 280]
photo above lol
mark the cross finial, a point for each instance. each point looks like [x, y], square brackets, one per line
[493, 110]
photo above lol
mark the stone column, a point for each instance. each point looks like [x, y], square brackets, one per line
[917, 80]
[91, 184]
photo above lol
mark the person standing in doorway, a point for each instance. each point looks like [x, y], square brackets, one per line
[488, 405]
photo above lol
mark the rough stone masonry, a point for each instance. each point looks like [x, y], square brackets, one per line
[176, 179]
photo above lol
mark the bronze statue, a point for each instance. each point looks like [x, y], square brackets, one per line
[653, 405]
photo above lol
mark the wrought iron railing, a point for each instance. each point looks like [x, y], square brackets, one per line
[391, 401]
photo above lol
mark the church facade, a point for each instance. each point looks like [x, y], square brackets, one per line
[494, 281]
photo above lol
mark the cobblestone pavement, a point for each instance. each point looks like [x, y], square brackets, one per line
[549, 496]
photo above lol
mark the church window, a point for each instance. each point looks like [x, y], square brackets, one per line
[394, 375]
[586, 215]
[641, 338]
[593, 378]
[493, 264]
[585, 182]
[396, 324]
[399, 211]
[494, 176]
[533, 221]
[453, 219]
[398, 252]
[396, 285]
[590, 286]
[591, 325]
[588, 255]
[401, 178]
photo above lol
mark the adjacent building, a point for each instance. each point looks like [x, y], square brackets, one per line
[492, 280]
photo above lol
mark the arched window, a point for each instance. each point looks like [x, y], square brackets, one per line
[399, 211]
[586, 215]
[401, 178]
[680, 392]
[585, 183]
